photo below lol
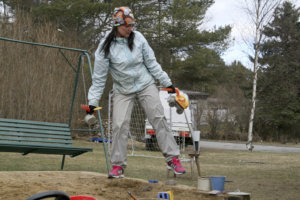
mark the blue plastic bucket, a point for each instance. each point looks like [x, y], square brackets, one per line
[217, 182]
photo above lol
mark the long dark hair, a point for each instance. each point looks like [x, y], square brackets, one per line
[111, 37]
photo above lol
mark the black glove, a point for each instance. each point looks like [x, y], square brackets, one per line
[173, 89]
[91, 110]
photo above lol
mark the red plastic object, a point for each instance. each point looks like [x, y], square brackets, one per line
[85, 107]
[170, 89]
[150, 132]
[82, 197]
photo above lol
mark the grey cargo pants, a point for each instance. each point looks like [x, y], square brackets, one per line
[122, 108]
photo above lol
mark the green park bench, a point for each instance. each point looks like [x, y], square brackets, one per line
[22, 136]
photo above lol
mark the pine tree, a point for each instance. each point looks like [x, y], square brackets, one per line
[279, 98]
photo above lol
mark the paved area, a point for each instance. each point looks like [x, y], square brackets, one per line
[242, 146]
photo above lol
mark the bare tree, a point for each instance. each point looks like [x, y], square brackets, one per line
[260, 13]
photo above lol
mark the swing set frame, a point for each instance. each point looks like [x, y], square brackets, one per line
[10, 129]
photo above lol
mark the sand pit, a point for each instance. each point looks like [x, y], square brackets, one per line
[21, 185]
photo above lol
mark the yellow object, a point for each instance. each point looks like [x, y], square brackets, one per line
[98, 108]
[171, 195]
[182, 101]
[166, 195]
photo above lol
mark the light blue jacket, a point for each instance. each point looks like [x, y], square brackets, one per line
[132, 71]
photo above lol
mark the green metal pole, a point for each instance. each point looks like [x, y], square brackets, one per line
[75, 89]
[100, 120]
[42, 45]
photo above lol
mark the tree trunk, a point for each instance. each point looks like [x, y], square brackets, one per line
[261, 16]
[255, 67]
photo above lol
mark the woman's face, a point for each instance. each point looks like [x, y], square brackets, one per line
[124, 30]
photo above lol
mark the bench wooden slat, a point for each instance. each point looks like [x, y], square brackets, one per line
[18, 121]
[48, 145]
[33, 126]
[24, 139]
[68, 137]
[24, 130]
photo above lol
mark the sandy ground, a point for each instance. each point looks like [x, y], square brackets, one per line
[21, 185]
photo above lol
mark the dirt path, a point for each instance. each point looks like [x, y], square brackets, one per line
[21, 185]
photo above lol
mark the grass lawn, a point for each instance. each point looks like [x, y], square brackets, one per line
[267, 176]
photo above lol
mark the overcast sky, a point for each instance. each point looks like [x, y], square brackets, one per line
[229, 12]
